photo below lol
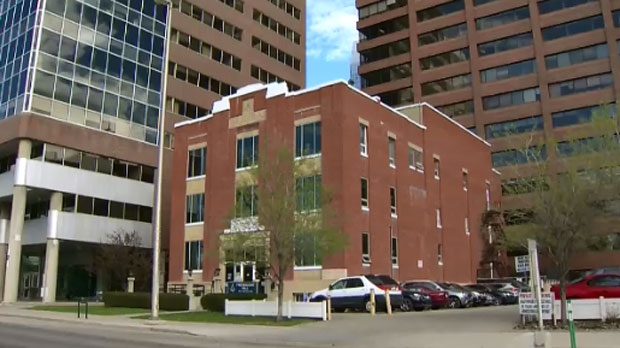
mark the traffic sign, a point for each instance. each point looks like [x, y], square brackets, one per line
[522, 263]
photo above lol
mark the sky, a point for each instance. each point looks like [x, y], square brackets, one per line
[330, 35]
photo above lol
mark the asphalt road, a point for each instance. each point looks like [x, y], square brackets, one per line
[26, 333]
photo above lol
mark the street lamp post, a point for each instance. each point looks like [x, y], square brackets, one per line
[160, 165]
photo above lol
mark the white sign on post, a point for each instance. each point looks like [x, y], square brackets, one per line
[528, 304]
[522, 263]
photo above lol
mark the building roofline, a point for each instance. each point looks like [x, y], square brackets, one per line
[447, 118]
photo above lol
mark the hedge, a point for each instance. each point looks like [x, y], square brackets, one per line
[216, 302]
[167, 302]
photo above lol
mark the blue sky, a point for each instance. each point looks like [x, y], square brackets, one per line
[330, 36]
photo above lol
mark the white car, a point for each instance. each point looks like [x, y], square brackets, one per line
[354, 293]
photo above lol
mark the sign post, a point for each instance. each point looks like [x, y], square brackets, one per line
[532, 249]
[571, 326]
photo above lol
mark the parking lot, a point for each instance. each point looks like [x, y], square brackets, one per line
[441, 328]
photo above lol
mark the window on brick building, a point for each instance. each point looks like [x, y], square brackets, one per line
[392, 151]
[393, 201]
[438, 217]
[465, 180]
[436, 168]
[365, 248]
[247, 152]
[440, 254]
[364, 187]
[193, 255]
[467, 226]
[363, 139]
[195, 207]
[394, 251]
[308, 139]
[196, 162]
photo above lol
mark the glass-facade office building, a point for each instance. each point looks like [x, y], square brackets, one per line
[80, 93]
[96, 63]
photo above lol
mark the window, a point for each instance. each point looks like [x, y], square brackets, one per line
[195, 208]
[276, 53]
[193, 255]
[205, 49]
[508, 71]
[573, 28]
[247, 152]
[616, 17]
[403, 96]
[277, 27]
[548, 6]
[393, 201]
[363, 139]
[605, 281]
[415, 159]
[377, 77]
[308, 193]
[385, 51]
[392, 151]
[442, 34]
[394, 251]
[440, 254]
[577, 56]
[503, 18]
[286, 7]
[440, 10]
[354, 283]
[207, 18]
[436, 168]
[443, 59]
[267, 77]
[384, 28]
[458, 109]
[438, 217]
[514, 157]
[503, 100]
[447, 84]
[246, 201]
[308, 139]
[467, 226]
[380, 7]
[581, 85]
[364, 193]
[465, 180]
[505, 44]
[199, 79]
[579, 116]
[524, 125]
[196, 163]
[365, 248]
[306, 251]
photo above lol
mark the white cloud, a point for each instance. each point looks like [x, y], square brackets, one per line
[331, 29]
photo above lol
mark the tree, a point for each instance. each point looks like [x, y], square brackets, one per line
[121, 256]
[282, 214]
[562, 195]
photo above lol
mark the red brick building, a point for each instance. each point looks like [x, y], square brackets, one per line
[410, 185]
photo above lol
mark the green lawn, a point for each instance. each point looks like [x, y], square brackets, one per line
[215, 317]
[94, 310]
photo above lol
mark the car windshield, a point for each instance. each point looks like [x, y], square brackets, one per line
[381, 280]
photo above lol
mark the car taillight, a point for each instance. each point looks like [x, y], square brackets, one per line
[385, 287]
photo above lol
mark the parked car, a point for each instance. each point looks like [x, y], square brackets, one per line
[478, 299]
[457, 298]
[415, 299]
[510, 294]
[591, 286]
[439, 298]
[514, 282]
[494, 297]
[354, 293]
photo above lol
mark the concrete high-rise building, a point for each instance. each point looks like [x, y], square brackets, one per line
[219, 46]
[496, 66]
[79, 112]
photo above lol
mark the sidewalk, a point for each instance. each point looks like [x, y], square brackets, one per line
[251, 334]
[344, 331]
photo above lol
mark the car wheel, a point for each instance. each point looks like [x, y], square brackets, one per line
[407, 305]
[454, 302]
[368, 305]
